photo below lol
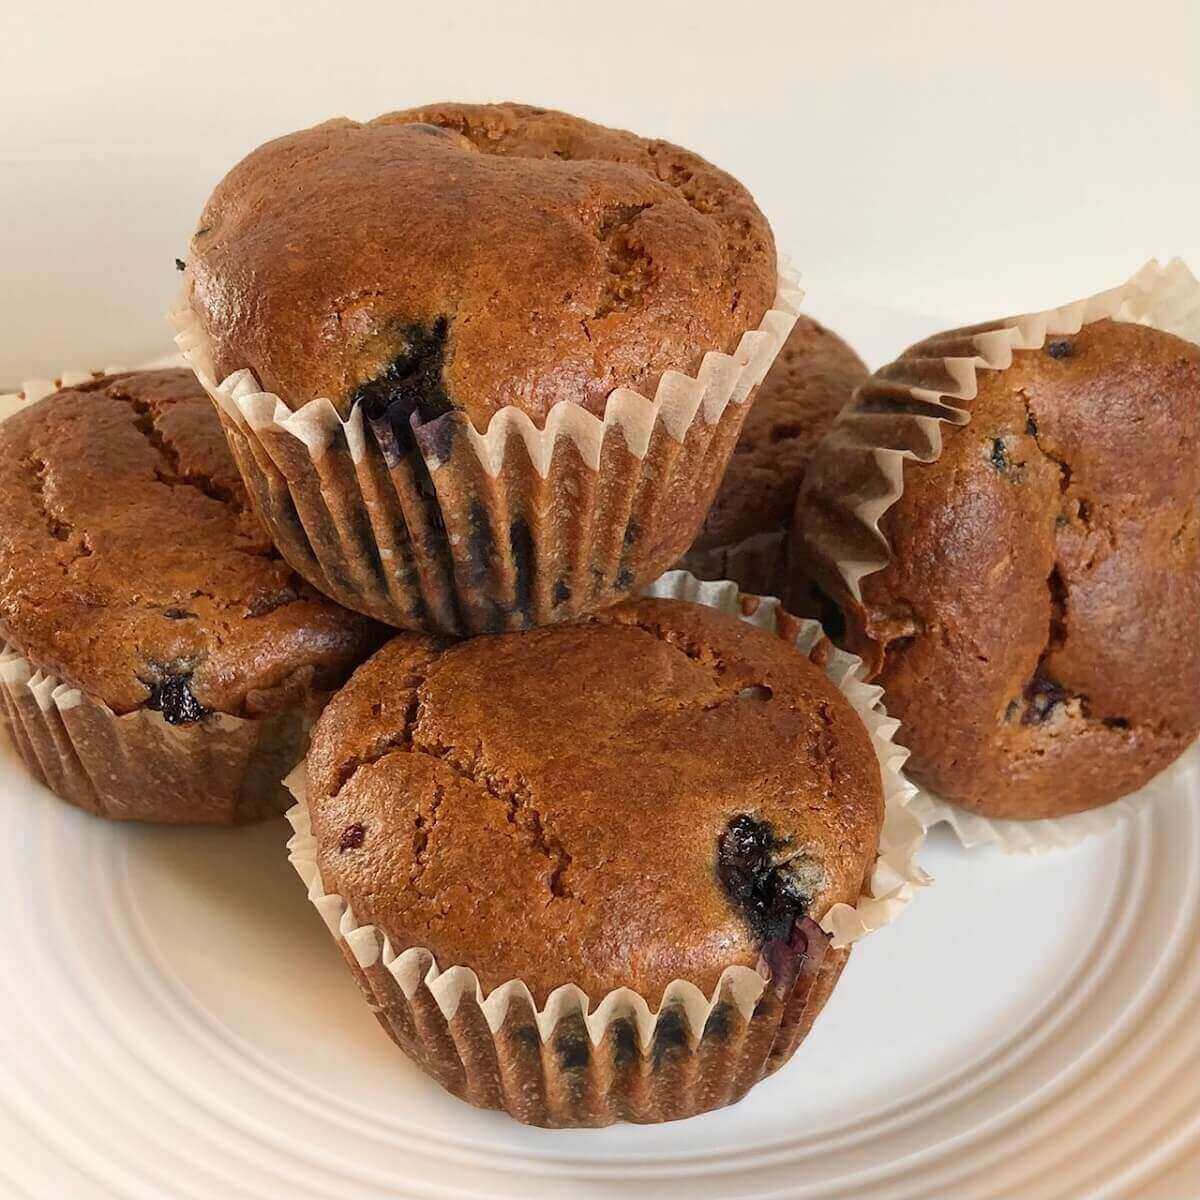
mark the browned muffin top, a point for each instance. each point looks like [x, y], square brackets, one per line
[646, 796]
[744, 536]
[475, 256]
[1038, 631]
[132, 567]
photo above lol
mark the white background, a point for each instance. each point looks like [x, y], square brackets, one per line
[958, 160]
[954, 161]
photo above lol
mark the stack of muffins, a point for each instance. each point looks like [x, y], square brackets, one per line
[594, 840]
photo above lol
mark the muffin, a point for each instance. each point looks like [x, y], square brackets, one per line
[160, 661]
[655, 806]
[744, 535]
[1035, 622]
[481, 366]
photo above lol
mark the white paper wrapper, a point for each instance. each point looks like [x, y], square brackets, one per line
[223, 770]
[504, 529]
[136, 766]
[842, 552]
[716, 1073]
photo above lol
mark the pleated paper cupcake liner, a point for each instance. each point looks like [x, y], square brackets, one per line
[572, 1063]
[897, 417]
[466, 532]
[223, 770]
[136, 766]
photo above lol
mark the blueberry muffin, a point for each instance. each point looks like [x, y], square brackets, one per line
[1036, 625]
[744, 536]
[658, 793]
[162, 663]
[460, 314]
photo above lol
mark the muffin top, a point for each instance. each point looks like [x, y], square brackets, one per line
[648, 795]
[1038, 628]
[132, 567]
[468, 257]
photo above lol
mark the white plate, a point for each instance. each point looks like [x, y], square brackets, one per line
[176, 1022]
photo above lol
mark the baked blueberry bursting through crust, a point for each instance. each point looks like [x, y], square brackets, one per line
[771, 888]
[410, 386]
[172, 696]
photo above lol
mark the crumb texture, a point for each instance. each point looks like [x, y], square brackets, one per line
[552, 805]
[132, 566]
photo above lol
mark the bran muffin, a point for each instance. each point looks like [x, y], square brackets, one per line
[437, 295]
[1036, 626]
[186, 659]
[744, 536]
[696, 798]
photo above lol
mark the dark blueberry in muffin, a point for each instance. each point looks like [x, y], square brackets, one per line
[1042, 696]
[172, 696]
[772, 891]
[352, 838]
[411, 384]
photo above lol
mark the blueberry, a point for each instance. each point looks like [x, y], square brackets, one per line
[172, 696]
[771, 895]
[410, 385]
[1043, 696]
[1059, 349]
[352, 838]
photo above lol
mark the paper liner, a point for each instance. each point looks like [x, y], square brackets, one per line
[136, 766]
[513, 527]
[897, 416]
[569, 1064]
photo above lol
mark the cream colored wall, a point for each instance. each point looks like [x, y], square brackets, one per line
[955, 159]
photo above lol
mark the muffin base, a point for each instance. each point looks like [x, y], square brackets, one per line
[895, 417]
[571, 1064]
[756, 564]
[222, 770]
[465, 532]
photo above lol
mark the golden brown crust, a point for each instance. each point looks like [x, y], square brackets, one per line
[565, 259]
[1038, 625]
[129, 557]
[745, 532]
[548, 805]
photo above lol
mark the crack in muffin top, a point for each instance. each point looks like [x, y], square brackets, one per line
[648, 795]
[132, 567]
[469, 257]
